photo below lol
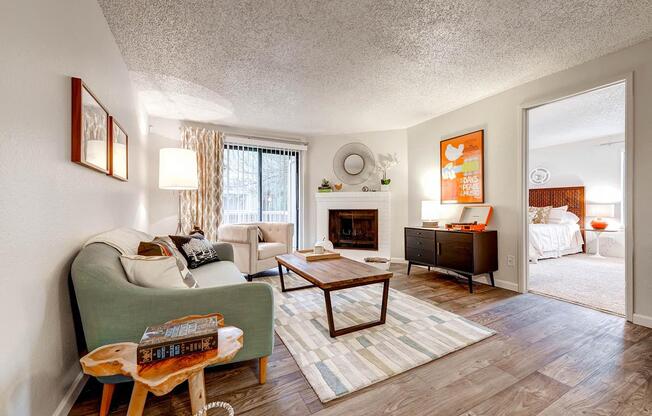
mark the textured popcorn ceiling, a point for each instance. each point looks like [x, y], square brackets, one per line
[596, 114]
[328, 67]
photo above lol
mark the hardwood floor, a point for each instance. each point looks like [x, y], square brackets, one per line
[548, 358]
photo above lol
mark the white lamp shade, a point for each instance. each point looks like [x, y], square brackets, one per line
[429, 210]
[177, 169]
[600, 210]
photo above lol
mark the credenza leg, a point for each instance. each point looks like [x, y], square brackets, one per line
[491, 276]
[409, 267]
[470, 277]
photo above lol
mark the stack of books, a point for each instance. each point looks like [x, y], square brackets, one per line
[172, 340]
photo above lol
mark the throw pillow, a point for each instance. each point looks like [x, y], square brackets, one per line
[196, 249]
[261, 237]
[153, 271]
[167, 241]
[540, 214]
[556, 215]
[160, 247]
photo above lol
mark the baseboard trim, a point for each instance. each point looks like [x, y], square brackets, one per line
[71, 395]
[398, 260]
[503, 284]
[642, 320]
[481, 278]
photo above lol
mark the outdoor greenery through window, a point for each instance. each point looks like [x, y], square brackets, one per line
[260, 184]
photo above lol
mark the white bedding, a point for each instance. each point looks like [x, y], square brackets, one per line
[554, 240]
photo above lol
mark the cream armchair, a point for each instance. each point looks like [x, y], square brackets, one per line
[252, 256]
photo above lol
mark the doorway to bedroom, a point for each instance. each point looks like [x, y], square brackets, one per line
[577, 199]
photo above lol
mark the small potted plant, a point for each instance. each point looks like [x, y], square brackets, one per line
[385, 163]
[325, 186]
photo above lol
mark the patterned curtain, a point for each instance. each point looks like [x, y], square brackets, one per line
[203, 208]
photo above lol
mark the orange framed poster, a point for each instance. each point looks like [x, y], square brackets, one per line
[461, 162]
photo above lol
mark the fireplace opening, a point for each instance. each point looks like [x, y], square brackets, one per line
[353, 228]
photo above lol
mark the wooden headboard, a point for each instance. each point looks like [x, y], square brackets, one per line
[573, 196]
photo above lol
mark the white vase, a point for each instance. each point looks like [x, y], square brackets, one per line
[385, 188]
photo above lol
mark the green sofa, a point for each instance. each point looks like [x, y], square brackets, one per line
[114, 310]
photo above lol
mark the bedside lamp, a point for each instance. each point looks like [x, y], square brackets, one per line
[429, 214]
[177, 171]
[599, 212]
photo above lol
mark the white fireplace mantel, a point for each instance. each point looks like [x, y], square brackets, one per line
[357, 200]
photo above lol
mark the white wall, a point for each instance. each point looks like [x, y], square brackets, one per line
[499, 115]
[49, 205]
[586, 163]
[319, 164]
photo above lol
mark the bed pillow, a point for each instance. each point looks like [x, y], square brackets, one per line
[196, 249]
[539, 215]
[556, 215]
[570, 218]
[153, 271]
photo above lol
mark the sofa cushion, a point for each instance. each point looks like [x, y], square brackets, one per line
[220, 273]
[267, 250]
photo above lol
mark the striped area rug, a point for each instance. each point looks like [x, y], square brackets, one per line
[415, 333]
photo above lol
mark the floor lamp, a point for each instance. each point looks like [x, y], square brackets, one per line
[177, 170]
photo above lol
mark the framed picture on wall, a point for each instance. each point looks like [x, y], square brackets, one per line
[90, 129]
[461, 162]
[118, 151]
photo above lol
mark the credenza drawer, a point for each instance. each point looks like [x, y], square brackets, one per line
[415, 232]
[420, 255]
[421, 242]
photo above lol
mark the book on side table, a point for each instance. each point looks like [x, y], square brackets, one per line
[171, 340]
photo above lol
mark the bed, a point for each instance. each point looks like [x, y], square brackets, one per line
[555, 240]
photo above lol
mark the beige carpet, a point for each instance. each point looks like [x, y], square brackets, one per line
[415, 333]
[580, 278]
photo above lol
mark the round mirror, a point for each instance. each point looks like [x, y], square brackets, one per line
[353, 164]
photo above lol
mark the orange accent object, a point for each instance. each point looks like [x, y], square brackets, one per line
[466, 227]
[599, 224]
[461, 169]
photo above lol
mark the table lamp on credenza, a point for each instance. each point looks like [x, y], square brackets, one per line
[429, 214]
[600, 212]
[177, 171]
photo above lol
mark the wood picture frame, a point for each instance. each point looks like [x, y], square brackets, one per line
[89, 129]
[118, 151]
[461, 169]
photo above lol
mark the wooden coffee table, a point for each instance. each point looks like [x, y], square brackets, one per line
[336, 274]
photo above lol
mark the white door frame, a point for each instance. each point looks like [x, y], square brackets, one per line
[523, 169]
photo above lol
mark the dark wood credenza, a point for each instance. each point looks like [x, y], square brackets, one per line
[464, 252]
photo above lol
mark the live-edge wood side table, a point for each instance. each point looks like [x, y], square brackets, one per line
[161, 377]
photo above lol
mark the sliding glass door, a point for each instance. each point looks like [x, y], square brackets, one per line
[260, 184]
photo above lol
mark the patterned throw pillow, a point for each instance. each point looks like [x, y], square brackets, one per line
[167, 242]
[538, 215]
[196, 249]
[159, 247]
[261, 237]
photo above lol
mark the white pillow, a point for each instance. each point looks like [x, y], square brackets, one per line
[556, 215]
[153, 271]
[570, 218]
